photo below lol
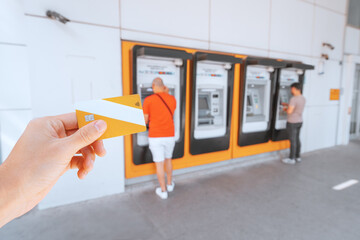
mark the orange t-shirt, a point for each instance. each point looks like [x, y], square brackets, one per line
[161, 123]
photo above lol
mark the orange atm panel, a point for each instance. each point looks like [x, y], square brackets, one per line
[135, 167]
[132, 166]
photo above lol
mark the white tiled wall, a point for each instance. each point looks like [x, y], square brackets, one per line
[15, 97]
[14, 77]
[12, 22]
[66, 56]
[229, 22]
[12, 125]
[329, 27]
[163, 39]
[292, 23]
[186, 18]
[321, 127]
[87, 11]
[321, 119]
[76, 62]
[319, 94]
[106, 178]
[339, 6]
[352, 41]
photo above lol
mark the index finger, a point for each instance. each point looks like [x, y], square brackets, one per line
[69, 120]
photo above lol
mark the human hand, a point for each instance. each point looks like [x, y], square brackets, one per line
[41, 156]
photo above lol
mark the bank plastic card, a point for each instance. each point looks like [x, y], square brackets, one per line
[123, 115]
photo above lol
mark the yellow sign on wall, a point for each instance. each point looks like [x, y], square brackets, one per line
[334, 94]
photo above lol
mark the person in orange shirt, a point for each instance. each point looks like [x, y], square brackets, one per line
[159, 109]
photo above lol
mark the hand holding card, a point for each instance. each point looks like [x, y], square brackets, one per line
[123, 115]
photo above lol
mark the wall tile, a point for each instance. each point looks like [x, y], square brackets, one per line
[335, 5]
[291, 26]
[12, 125]
[162, 39]
[14, 77]
[321, 127]
[352, 41]
[184, 18]
[234, 22]
[12, 22]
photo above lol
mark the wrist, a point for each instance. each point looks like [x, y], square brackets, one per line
[11, 201]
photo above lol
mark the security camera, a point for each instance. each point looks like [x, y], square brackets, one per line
[328, 45]
[325, 56]
[57, 16]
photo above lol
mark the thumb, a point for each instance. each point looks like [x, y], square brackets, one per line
[87, 134]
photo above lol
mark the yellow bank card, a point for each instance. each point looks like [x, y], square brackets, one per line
[123, 115]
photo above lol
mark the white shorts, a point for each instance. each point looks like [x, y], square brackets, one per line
[161, 148]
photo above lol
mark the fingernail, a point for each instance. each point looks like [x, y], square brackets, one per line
[100, 125]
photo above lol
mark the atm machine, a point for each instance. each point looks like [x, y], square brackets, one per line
[212, 94]
[258, 85]
[170, 66]
[292, 73]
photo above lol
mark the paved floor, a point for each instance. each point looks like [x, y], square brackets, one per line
[265, 201]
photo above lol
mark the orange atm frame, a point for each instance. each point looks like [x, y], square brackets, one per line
[188, 160]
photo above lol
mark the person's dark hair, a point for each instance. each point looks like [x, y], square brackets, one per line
[296, 85]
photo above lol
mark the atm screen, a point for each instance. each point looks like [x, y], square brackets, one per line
[203, 103]
[284, 99]
[256, 99]
[145, 92]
